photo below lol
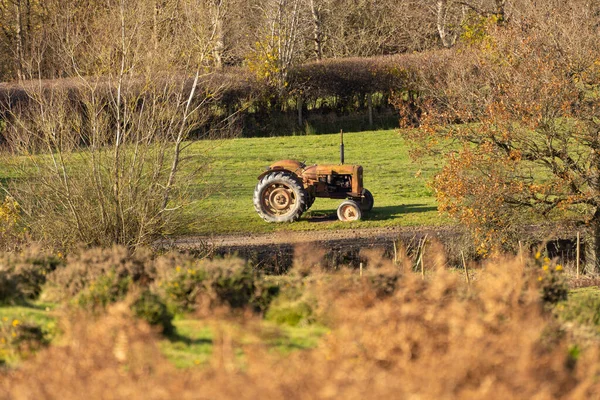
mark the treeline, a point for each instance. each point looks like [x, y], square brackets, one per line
[275, 61]
[43, 38]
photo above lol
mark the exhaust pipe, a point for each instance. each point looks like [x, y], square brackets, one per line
[341, 147]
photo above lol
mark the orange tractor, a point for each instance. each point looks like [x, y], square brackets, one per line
[288, 188]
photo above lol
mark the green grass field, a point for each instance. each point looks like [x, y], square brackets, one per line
[398, 183]
[190, 345]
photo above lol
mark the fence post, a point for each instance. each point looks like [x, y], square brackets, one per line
[577, 254]
[422, 257]
[300, 119]
[465, 266]
[370, 105]
[521, 251]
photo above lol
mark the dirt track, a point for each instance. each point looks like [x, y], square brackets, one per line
[275, 252]
[365, 236]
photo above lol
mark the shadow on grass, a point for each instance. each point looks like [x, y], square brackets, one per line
[175, 337]
[288, 345]
[29, 305]
[377, 214]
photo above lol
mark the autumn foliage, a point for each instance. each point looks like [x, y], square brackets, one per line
[515, 115]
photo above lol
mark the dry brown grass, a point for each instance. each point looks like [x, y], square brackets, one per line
[433, 338]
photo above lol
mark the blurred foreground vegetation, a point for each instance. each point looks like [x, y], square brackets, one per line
[130, 321]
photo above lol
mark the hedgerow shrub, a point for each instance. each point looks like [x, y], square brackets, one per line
[103, 290]
[20, 339]
[210, 283]
[12, 234]
[253, 107]
[23, 275]
[553, 284]
[151, 308]
[291, 312]
[104, 274]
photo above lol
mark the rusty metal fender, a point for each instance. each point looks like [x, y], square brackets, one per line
[292, 166]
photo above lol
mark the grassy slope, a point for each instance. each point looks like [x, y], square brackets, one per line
[397, 182]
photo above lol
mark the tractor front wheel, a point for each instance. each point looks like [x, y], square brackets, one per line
[349, 210]
[280, 197]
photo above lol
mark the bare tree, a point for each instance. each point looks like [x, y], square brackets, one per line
[103, 151]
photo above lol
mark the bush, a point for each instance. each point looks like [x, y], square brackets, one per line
[183, 284]
[264, 294]
[152, 309]
[11, 232]
[425, 340]
[553, 284]
[296, 304]
[20, 340]
[207, 283]
[384, 282]
[97, 277]
[104, 290]
[292, 313]
[102, 267]
[23, 276]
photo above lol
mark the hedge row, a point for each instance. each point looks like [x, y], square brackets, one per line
[335, 85]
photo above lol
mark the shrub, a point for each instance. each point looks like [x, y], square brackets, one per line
[425, 340]
[183, 284]
[152, 309]
[19, 340]
[296, 303]
[11, 232]
[104, 290]
[264, 294]
[102, 267]
[384, 283]
[553, 284]
[292, 313]
[206, 283]
[22, 276]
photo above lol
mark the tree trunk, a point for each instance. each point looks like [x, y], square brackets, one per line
[155, 13]
[218, 33]
[442, 13]
[592, 245]
[19, 40]
[317, 30]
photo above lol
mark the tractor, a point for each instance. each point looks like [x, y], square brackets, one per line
[288, 188]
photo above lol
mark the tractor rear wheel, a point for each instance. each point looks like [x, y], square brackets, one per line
[367, 201]
[280, 197]
[349, 210]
